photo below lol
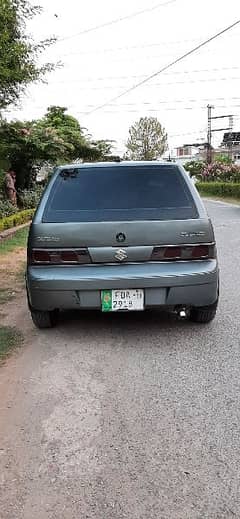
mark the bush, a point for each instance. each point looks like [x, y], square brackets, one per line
[29, 198]
[222, 189]
[195, 167]
[222, 173]
[16, 219]
[2, 181]
[223, 159]
[6, 208]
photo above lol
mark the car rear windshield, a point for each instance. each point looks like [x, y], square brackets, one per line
[113, 193]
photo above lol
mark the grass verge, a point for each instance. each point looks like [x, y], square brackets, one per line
[19, 239]
[10, 338]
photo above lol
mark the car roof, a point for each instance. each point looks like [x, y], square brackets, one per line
[118, 164]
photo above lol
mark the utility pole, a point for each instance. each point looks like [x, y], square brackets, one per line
[210, 131]
[209, 135]
[231, 137]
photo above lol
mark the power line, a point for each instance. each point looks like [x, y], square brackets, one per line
[113, 78]
[157, 103]
[128, 47]
[128, 57]
[156, 110]
[117, 20]
[209, 80]
[173, 101]
[166, 66]
[186, 134]
[188, 71]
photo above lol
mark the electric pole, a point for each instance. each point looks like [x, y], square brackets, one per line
[231, 136]
[209, 135]
[210, 131]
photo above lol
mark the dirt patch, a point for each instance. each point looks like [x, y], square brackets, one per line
[11, 265]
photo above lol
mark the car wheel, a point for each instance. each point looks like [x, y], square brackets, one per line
[203, 314]
[43, 319]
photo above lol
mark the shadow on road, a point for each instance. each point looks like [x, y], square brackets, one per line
[141, 325]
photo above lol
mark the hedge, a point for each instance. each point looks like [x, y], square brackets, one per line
[16, 219]
[223, 189]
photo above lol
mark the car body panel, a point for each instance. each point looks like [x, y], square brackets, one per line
[104, 234]
[63, 282]
[166, 283]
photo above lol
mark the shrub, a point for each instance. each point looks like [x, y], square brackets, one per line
[29, 198]
[223, 159]
[6, 208]
[218, 172]
[195, 167]
[16, 219]
[2, 181]
[222, 189]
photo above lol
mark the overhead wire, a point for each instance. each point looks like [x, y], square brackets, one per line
[167, 109]
[117, 20]
[173, 101]
[128, 47]
[190, 81]
[179, 72]
[176, 102]
[168, 83]
[166, 67]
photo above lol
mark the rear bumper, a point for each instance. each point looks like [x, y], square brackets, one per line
[165, 284]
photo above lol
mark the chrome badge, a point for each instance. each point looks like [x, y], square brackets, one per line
[47, 238]
[192, 234]
[120, 255]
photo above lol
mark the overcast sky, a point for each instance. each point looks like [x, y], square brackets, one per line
[102, 63]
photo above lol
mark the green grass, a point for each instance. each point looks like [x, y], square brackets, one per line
[10, 338]
[19, 239]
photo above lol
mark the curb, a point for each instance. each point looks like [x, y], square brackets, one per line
[9, 232]
[221, 201]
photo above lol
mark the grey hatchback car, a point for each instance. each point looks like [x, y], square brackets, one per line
[121, 236]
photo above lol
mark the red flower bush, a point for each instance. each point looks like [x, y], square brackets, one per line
[217, 172]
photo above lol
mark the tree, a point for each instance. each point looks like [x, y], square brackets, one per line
[223, 159]
[147, 139]
[56, 138]
[18, 53]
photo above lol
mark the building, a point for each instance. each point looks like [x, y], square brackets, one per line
[186, 152]
[231, 145]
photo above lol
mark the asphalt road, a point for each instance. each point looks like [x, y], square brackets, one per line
[138, 417]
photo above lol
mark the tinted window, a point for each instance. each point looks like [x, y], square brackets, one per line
[120, 193]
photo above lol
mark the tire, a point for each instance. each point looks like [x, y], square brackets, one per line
[203, 314]
[44, 319]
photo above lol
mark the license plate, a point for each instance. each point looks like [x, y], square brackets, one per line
[116, 300]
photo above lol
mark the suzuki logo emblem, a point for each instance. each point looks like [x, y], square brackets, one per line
[121, 255]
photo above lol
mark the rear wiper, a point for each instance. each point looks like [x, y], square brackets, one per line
[69, 173]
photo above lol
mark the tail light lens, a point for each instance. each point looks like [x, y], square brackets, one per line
[59, 257]
[184, 252]
[172, 253]
[201, 252]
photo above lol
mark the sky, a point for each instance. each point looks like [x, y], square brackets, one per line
[99, 63]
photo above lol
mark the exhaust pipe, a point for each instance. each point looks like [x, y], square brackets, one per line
[183, 314]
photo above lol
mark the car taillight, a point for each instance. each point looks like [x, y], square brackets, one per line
[59, 257]
[172, 253]
[184, 252]
[200, 251]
